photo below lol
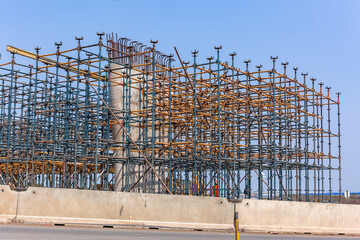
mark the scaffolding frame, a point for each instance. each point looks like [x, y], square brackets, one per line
[186, 129]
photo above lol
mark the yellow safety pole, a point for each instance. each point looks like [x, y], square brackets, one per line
[236, 223]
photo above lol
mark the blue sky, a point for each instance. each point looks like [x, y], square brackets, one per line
[320, 37]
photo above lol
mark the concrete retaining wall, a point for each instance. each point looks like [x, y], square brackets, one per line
[283, 216]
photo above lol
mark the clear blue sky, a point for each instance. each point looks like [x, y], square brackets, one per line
[321, 37]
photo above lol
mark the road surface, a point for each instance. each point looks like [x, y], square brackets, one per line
[12, 232]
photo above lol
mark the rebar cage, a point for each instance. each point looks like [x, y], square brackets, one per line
[121, 116]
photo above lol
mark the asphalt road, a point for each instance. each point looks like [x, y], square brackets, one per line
[70, 233]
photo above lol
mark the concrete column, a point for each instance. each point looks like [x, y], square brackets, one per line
[116, 101]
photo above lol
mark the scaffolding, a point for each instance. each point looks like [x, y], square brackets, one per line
[121, 116]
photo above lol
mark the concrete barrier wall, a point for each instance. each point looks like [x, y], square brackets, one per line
[84, 206]
[300, 217]
[69, 206]
[8, 204]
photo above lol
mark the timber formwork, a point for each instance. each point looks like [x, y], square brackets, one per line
[200, 128]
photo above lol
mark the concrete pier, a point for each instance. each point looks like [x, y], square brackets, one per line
[124, 101]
